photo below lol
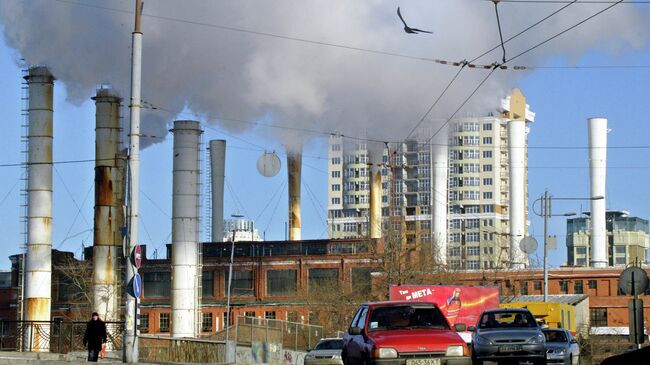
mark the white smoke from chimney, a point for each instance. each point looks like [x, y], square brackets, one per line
[220, 73]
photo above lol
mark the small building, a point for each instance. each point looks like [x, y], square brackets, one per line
[627, 239]
[569, 311]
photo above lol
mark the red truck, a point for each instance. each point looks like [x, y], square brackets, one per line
[403, 333]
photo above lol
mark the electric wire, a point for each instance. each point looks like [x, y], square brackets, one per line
[277, 190]
[65, 186]
[237, 201]
[74, 220]
[154, 204]
[268, 224]
[12, 189]
[503, 47]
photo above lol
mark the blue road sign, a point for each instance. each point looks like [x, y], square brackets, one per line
[137, 285]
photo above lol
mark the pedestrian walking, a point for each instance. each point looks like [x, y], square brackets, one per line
[95, 337]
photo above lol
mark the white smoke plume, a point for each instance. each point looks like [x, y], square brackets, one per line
[227, 74]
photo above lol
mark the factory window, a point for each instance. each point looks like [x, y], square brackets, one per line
[487, 154]
[598, 317]
[473, 251]
[206, 322]
[361, 279]
[578, 287]
[292, 316]
[620, 249]
[163, 322]
[537, 285]
[249, 314]
[581, 250]
[564, 286]
[314, 318]
[336, 187]
[207, 284]
[336, 173]
[269, 314]
[242, 283]
[336, 160]
[157, 284]
[523, 285]
[487, 181]
[487, 195]
[473, 265]
[487, 126]
[323, 279]
[143, 326]
[487, 168]
[487, 140]
[593, 284]
[281, 282]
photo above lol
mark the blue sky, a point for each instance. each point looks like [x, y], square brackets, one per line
[562, 98]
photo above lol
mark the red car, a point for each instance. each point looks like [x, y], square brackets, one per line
[403, 333]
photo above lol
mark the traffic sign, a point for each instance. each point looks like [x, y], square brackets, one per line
[633, 281]
[137, 256]
[137, 285]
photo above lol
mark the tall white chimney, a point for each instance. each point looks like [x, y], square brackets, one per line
[108, 207]
[218, 169]
[597, 178]
[185, 229]
[294, 169]
[375, 155]
[516, 110]
[439, 195]
[38, 265]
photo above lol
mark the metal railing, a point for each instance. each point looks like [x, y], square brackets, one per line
[56, 336]
[292, 335]
[154, 349]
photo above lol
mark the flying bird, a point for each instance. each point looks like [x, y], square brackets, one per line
[408, 29]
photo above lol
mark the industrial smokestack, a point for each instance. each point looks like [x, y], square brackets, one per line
[375, 153]
[38, 266]
[597, 177]
[218, 169]
[109, 216]
[294, 168]
[516, 115]
[439, 201]
[185, 229]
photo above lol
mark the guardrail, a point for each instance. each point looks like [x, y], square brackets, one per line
[55, 336]
[166, 349]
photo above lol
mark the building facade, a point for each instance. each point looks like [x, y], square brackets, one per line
[627, 239]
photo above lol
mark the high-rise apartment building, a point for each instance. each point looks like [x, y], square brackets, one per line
[627, 239]
[477, 194]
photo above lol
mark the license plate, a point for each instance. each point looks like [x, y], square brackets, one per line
[422, 361]
[511, 348]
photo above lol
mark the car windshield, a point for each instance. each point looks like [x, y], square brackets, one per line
[407, 317]
[329, 345]
[507, 320]
[555, 336]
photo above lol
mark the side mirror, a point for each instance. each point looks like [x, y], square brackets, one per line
[471, 328]
[460, 327]
[355, 331]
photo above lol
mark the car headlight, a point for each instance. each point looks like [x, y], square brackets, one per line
[456, 350]
[336, 357]
[385, 353]
[309, 356]
[480, 340]
[562, 352]
[537, 339]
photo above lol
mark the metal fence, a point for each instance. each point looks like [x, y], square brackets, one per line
[186, 350]
[292, 335]
[56, 336]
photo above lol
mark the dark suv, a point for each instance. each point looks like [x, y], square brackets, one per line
[403, 333]
[508, 334]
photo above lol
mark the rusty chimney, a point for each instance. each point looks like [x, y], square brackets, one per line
[375, 153]
[108, 205]
[294, 168]
[38, 265]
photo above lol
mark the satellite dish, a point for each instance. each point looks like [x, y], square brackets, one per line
[528, 244]
[268, 164]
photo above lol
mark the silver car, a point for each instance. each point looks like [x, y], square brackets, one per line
[561, 347]
[326, 352]
[508, 335]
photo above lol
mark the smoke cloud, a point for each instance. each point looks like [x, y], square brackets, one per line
[225, 74]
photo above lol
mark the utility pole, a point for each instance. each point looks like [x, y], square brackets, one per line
[130, 352]
[546, 212]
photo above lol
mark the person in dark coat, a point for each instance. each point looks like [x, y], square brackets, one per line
[95, 336]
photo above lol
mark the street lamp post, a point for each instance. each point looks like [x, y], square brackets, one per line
[229, 354]
[546, 213]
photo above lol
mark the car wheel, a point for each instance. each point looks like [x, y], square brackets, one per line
[476, 361]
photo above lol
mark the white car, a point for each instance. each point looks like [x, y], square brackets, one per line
[561, 347]
[326, 352]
